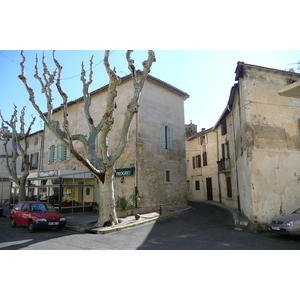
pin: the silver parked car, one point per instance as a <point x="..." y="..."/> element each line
<point x="286" y="225"/>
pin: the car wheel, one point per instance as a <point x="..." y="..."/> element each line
<point x="12" y="222"/>
<point x="30" y="226"/>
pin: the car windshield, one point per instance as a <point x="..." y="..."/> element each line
<point x="42" y="207"/>
<point x="297" y="211"/>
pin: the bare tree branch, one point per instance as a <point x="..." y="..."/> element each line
<point x="133" y="106"/>
<point x="101" y="165"/>
<point x="17" y="147"/>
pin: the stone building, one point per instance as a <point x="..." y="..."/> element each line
<point x="152" y="164"/>
<point x="258" y="144"/>
<point x="202" y="174"/>
<point x="266" y="127"/>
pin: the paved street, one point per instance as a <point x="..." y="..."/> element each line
<point x="204" y="227"/>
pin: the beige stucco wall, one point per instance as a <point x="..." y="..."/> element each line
<point x="268" y="146"/>
<point x="159" y="105"/>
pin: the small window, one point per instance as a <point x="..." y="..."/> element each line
<point x="168" y="176"/>
<point x="197" y="185"/>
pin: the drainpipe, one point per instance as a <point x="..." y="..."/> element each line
<point x="135" y="160"/>
<point x="219" y="183"/>
<point x="236" y="170"/>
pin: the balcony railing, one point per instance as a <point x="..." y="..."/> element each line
<point x="224" y="165"/>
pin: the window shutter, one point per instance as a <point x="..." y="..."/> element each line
<point x="194" y="162"/>
<point x="37" y="160"/>
<point x="170" y="138"/>
<point x="59" y="152"/>
<point x="68" y="154"/>
<point x="204" y="155"/>
<point x="199" y="161"/>
<point x="49" y="155"/>
<point x="55" y="148"/>
<point x="163" y="136"/>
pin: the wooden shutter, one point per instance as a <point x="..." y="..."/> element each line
<point x="163" y="137"/>
<point x="170" y="138"/>
<point x="55" y="152"/>
<point x="49" y="155"/>
<point x="204" y="154"/>
<point x="59" y="152"/>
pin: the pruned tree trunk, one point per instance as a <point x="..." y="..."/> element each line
<point x="107" y="207"/>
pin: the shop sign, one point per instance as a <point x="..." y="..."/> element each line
<point x="124" y="172"/>
<point x="50" y="173"/>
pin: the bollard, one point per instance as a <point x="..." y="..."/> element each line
<point x="160" y="210"/>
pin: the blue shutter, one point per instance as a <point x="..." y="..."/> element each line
<point x="49" y="155"/>
<point x="59" y="152"/>
<point x="163" y="136"/>
<point x="55" y="153"/>
<point x="68" y="154"/>
<point x="170" y="138"/>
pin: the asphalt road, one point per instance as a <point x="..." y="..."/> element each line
<point x="204" y="227"/>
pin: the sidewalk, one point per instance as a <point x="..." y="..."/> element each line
<point x="84" y="222"/>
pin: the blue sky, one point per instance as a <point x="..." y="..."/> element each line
<point x="206" y="75"/>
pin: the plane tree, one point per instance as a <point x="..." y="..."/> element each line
<point x="100" y="162"/>
<point x="19" y="148"/>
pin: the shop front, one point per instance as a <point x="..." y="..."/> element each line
<point x="69" y="191"/>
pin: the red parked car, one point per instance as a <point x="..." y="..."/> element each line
<point x="36" y="215"/>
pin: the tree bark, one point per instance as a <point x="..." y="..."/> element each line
<point x="107" y="205"/>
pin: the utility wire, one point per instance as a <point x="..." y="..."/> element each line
<point x="61" y="78"/>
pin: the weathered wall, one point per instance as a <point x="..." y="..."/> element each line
<point x="268" y="145"/>
<point x="159" y="106"/>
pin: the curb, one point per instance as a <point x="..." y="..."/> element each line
<point x="107" y="230"/>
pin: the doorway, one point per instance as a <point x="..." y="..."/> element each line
<point x="209" y="188"/>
